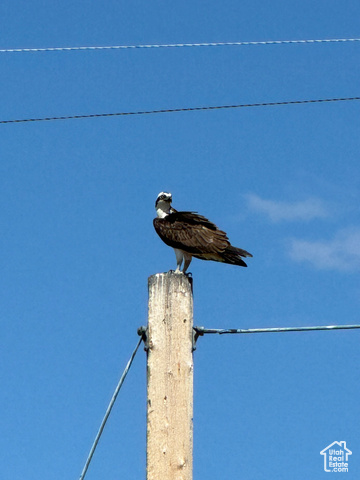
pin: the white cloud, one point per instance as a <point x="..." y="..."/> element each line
<point x="341" y="253"/>
<point x="290" y="211"/>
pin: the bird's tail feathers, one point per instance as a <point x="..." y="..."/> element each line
<point x="237" y="251"/>
<point x="233" y="256"/>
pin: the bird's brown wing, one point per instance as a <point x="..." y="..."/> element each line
<point x="191" y="232"/>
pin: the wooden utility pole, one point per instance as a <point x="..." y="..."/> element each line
<point x="170" y="377"/>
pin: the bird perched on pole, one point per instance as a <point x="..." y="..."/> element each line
<point x="192" y="235"/>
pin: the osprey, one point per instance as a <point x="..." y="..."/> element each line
<point x="192" y="235"/>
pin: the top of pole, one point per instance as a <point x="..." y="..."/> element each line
<point x="176" y="278"/>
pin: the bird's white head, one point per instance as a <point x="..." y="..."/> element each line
<point x="163" y="204"/>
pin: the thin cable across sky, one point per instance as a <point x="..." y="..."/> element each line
<point x="184" y="109"/>
<point x="108" y="411"/>
<point x="179" y="45"/>
<point x="202" y="330"/>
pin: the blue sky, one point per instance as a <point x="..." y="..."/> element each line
<point x="78" y="243"/>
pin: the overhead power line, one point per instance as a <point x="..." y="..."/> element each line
<point x="199" y="331"/>
<point x="185" y="109"/>
<point x="179" y="45"/>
